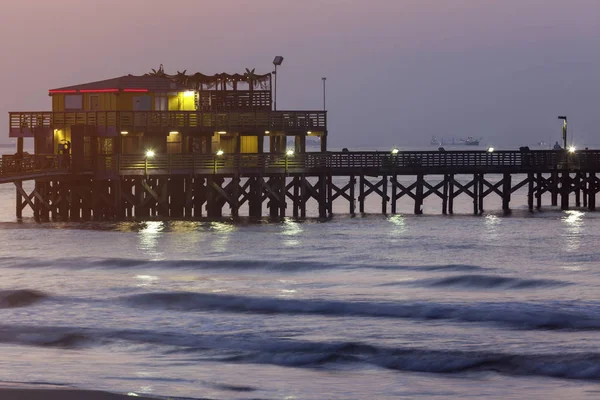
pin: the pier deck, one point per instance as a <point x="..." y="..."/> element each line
<point x="190" y="186"/>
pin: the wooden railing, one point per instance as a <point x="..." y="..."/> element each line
<point x="335" y="163"/>
<point x="231" y="121"/>
<point x="14" y="165"/>
<point x="356" y="162"/>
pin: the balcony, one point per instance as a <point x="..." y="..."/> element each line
<point x="110" y="123"/>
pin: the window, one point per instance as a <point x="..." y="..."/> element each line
<point x="73" y="102"/>
<point x="160" y="103"/>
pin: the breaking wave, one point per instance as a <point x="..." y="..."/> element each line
<point x="256" y="349"/>
<point x="514" y="314"/>
<point x="233" y="265"/>
<point x="483" y="282"/>
<point x="568" y="366"/>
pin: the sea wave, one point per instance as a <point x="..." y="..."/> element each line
<point x="257" y="349"/>
<point x="514" y="314"/>
<point x="79" y="263"/>
<point x="569" y="366"/>
<point x="20" y="297"/>
<point x="482" y="282"/>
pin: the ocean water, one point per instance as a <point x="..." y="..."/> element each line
<point x="366" y="307"/>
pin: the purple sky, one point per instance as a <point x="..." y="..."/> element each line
<point x="398" y="71"/>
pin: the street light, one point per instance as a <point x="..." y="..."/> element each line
<point x="572" y="149"/>
<point x="564" y="130"/>
<point x="395" y="150"/>
<point x="490" y="149"/>
<point x="324" y="79"/>
<point x="276" y="61"/>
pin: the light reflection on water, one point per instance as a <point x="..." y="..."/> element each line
<point x="291" y="232"/>
<point x="149" y="235"/>
<point x="574" y="223"/>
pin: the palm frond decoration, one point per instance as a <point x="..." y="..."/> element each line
<point x="160" y="72"/>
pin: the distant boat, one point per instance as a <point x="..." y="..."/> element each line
<point x="435" y="141"/>
<point x="470" y="141"/>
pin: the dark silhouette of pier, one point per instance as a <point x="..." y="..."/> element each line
<point x="193" y="186"/>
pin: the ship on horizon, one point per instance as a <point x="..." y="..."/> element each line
<point x="469" y="141"/>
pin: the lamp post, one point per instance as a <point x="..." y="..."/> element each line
<point x="564" y="131"/>
<point x="276" y="61"/>
<point x="324" y="79"/>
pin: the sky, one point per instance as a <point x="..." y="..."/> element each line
<point x="398" y="71"/>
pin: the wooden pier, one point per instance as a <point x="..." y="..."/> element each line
<point x="195" y="186"/>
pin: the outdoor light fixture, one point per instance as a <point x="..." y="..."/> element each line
<point x="490" y="149"/>
<point x="572" y="149"/>
<point x="395" y="150"/>
<point x="276" y="61"/>
<point x="220" y="152"/>
<point x="564" y="130"/>
<point x="289" y="153"/>
<point x="122" y="132"/>
<point x="222" y="132"/>
<point x="267" y="132"/>
<point x="309" y="133"/>
<point x="173" y="133"/>
<point x="149" y="154"/>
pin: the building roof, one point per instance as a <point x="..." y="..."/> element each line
<point x="132" y="83"/>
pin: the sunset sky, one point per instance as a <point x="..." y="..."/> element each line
<point x="398" y="71"/>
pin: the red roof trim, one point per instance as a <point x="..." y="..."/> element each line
<point x="136" y="90"/>
<point x="61" y="91"/>
<point x="98" y="90"/>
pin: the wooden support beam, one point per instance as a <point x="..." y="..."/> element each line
<point x="576" y="183"/>
<point x="296" y="197"/>
<point x="419" y="195"/>
<point x="25" y="196"/>
<point x="592" y="190"/>
<point x="555" y="188"/>
<point x="584" y="188"/>
<point x="200" y="195"/>
<point x="282" y="196"/>
<point x="255" y="197"/>
<point x="329" y="195"/>
<point x="433" y="189"/>
<point x="188" y="208"/>
<point x="506" y="191"/>
<point x="565" y="189"/>
<point x="530" y="191"/>
<point x="303" y="196"/>
<point x="361" y="194"/>
<point x="19" y="196"/>
<point x="384" y="196"/>
<point x="540" y="183"/>
<point x="352" y="199"/>
<point x="451" y="193"/>
<point x="445" y="195"/>
<point x="476" y="196"/>
<point x="481" y="194"/>
<point x="393" y="179"/>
